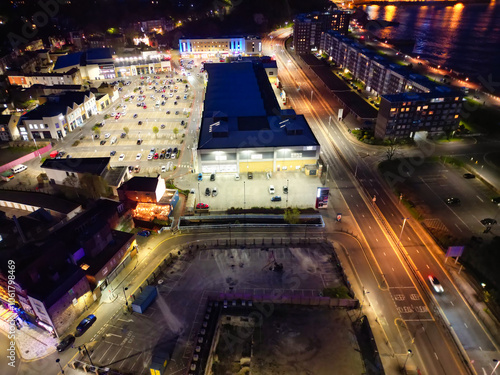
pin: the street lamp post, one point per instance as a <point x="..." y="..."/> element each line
<point x="124" y="289"/>
<point x="402" y="228"/>
<point x="287" y="192"/>
<point x="58" y="361"/>
<point x="244" y="196"/>
<point x="406" y="360"/>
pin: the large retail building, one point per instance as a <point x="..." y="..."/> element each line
<point x="243" y="128"/>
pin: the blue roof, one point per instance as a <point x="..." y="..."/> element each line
<point x="233" y="89"/>
<point x="68" y="60"/>
<point x="99" y="54"/>
<point x="241" y="111"/>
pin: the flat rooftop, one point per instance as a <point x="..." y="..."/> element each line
<point x="241" y="111"/>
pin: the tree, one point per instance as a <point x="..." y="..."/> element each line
<point x="176" y="131"/>
<point x="392" y="147"/>
<point x="126" y="130"/>
<point x="292" y="215"/>
<point x="73" y="182"/>
<point x="95" y="186"/>
<point x="96" y="130"/>
<point x="155" y="131"/>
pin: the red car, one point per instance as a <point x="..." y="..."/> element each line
<point x="202" y="206"/>
<point x="145" y="106"/>
<point x="156" y="156"/>
<point x="117" y="116"/>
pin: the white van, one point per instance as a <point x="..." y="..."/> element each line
<point x="19" y="168"/>
<point x="113" y="140"/>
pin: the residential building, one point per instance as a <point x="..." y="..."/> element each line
<point x="379" y="75"/>
<point x="113" y="41"/>
<point x="402" y="115"/>
<point x="58" y="277"/>
<point x="243" y="129"/>
<point x="220" y="47"/>
<point x="71" y="77"/>
<point x="307" y="28"/>
<point x="8" y="127"/>
<point x="58" y="115"/>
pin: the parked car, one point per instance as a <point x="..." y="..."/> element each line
<point x="102" y="143"/>
<point x="435" y="284"/>
<point x="202" y="206"/>
<point x="250" y="175"/>
<point x="271" y="189"/>
<point x="139" y="123"/>
<point x="144" y="233"/>
<point x="207" y="192"/>
<point x="200" y="177"/>
<point x="112" y="153"/>
<point x="139" y="141"/>
<point x="137" y="169"/>
<point x="135" y="115"/>
<point x="65" y="343"/>
<point x="123" y="135"/>
<point x="214" y="192"/>
<point x="139" y="156"/>
<point x="85" y="324"/>
<point x="163" y="168"/>
<point x="122" y="156"/>
<point x="469" y="176"/>
<point x="212" y="177"/>
<point x="276" y="198"/>
<point x="285" y="189"/>
<point x="237" y="177"/>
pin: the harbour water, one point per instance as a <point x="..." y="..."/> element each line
<point x="463" y="37"/>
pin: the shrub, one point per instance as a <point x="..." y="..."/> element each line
<point x="76" y="143"/>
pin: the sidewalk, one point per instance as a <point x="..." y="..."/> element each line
<point x="32" y="342"/>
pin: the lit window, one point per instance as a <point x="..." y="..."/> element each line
<point x="456" y="116"/>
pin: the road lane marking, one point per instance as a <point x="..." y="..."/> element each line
<point x="376" y="239"/>
<point x="458" y="227"/>
<point x="477" y="196"/>
<point x="417" y="251"/>
<point x="436" y="356"/>
<point x="480" y="348"/>
<point x="465" y="324"/>
<point x="385" y="253"/>
<point x="369" y="227"/>
<point x="393" y="269"/>
<point x="428" y="266"/>
<point x="452" y="303"/>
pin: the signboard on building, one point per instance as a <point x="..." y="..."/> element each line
<point x="322" y="197"/>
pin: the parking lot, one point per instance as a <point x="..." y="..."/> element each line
<point x="248" y="193"/>
<point x="184" y="288"/>
<point x="169" y="114"/>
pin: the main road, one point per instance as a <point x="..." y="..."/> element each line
<point x="417" y="318"/>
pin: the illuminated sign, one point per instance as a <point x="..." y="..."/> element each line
<point x="322" y="194"/>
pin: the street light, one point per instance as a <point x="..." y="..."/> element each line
<point x="58" y="361"/>
<point x="124" y="289"/>
<point x="406" y="360"/>
<point x="402" y="228"/>
<point x="244" y="196"/>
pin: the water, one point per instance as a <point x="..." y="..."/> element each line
<point x="463" y="37"/>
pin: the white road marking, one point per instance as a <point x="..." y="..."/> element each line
<point x="393" y="269"/>
<point x="369" y="227"/>
<point x="376" y="239"/>
<point x="409" y="239"/>
<point x="452" y="303"/>
<point x="418" y="251"/>
<point x="480" y="348"/>
<point x="436" y="356"/>
<point x="477" y="196"/>
<point x="458" y="227"/>
<point x="376" y="192"/>
<point x="465" y="324"/>
<point x="385" y="254"/>
<point x="428" y="266"/>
